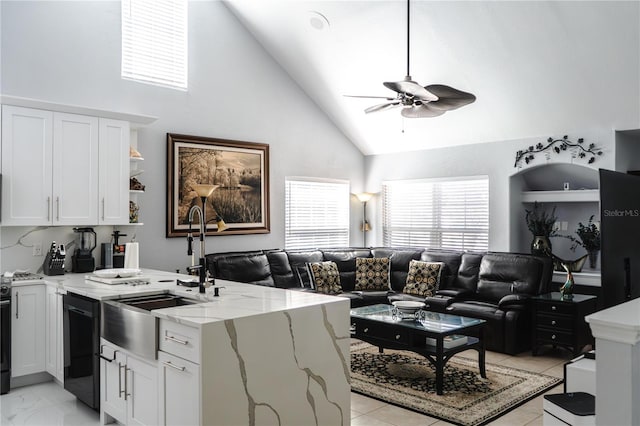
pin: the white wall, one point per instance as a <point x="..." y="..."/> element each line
<point x="69" y="52"/>
<point x="495" y="160"/>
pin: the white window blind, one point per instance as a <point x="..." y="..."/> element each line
<point x="317" y="214"/>
<point x="154" y="42"/>
<point x="448" y="214"/>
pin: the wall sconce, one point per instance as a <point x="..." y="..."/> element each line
<point x="364" y="226"/>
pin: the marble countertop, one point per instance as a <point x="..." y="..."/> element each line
<point x="236" y="300"/>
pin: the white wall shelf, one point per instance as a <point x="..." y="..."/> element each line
<point x="591" y="278"/>
<point x="134" y="119"/>
<point x="575" y="196"/>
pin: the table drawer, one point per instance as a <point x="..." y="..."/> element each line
<point x="555" y="308"/>
<point x="179" y="340"/>
<point x="381" y="331"/>
<point x="554" y="321"/>
<point x="554" y="336"/>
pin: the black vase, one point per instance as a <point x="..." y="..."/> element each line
<point x="541" y="246"/>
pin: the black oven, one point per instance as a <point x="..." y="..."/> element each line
<point x="5" y="334"/>
<point x="81" y="323"/>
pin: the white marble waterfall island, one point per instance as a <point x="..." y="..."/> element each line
<point x="253" y="356"/>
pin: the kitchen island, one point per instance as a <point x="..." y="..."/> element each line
<point x="252" y="356"/>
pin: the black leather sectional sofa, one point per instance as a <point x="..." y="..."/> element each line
<point x="492" y="286"/>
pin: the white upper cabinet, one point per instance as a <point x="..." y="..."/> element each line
<point x="63" y="169"/>
<point x="75" y="169"/>
<point x="114" y="172"/>
<point x="27" y="151"/>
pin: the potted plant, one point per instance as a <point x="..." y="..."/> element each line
<point x="589" y="239"/>
<point x="541" y="224"/>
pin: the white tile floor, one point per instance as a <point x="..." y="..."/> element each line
<point x="49" y="404"/>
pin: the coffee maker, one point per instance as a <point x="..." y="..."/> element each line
<point x="82" y="259"/>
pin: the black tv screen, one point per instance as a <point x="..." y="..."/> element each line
<point x="620" y="236"/>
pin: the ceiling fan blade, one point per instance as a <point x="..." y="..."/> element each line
<point x="382" y="107"/>
<point x="411" y="88"/>
<point x="421" y="111"/>
<point x="369" y="97"/>
<point x="449" y="98"/>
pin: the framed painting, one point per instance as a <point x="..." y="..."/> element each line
<point x="239" y="172"/>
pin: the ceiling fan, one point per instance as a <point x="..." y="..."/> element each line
<point x="418" y="101"/>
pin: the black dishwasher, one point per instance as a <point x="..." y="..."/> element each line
<point x="81" y="322"/>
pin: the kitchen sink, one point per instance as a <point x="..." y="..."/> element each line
<point x="130" y="324"/>
<point x="149" y="303"/>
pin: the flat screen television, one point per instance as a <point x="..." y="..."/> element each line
<point x="620" y="237"/>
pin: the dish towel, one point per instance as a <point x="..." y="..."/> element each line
<point x="131" y="256"/>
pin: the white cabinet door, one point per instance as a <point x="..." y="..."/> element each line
<point x="75" y="169"/>
<point x="179" y="390"/>
<point x="112" y="391"/>
<point x="28" y="330"/>
<point x="54" y="357"/>
<point x="114" y="172"/>
<point x="27" y="149"/>
<point x="142" y="392"/>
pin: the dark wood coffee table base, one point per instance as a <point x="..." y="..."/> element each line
<point x="389" y="336"/>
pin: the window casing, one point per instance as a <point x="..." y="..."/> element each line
<point x="154" y="42"/>
<point x="448" y="213"/>
<point x="316" y="213"/>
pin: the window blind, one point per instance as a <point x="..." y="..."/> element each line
<point x="316" y="214"/>
<point x="448" y="214"/>
<point x="154" y="42"/>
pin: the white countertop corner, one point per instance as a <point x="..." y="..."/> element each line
<point x="619" y="323"/>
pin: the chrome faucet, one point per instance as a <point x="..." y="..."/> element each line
<point x="202" y="266"/>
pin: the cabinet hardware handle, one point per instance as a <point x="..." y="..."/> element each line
<point x="48" y="208"/>
<point x="366" y="330"/>
<point x="102" y="208"/>
<point x="397" y="336"/>
<point x="553" y="337"/>
<point x="173" y="339"/>
<point x="126" y="386"/>
<point x="169" y="364"/>
<point x="57" y="208"/>
<point x="553" y="308"/>
<point x="107" y="359"/>
<point x="553" y="322"/>
<point x="120" y="391"/>
<point x="17" y="304"/>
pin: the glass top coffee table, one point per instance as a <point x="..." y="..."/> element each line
<point x="433" y="335"/>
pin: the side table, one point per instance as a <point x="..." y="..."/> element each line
<point x="560" y="322"/>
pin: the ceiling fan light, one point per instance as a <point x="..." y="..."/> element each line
<point x="422" y="111"/>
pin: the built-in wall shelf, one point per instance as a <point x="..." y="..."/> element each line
<point x="136" y="191"/>
<point x="590" y="278"/>
<point x="134" y="119"/>
<point x="576" y="196"/>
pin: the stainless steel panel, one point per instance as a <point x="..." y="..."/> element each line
<point x="131" y="328"/>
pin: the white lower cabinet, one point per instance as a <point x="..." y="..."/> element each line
<point x="128" y="387"/>
<point x="179" y="390"/>
<point x="54" y="340"/>
<point x="27" y="329"/>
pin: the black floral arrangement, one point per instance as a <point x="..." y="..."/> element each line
<point x="589" y="235"/>
<point x="540" y="222"/>
<point x="558" y="146"/>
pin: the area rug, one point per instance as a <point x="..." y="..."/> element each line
<point x="408" y="380"/>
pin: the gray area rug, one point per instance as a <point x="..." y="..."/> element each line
<point x="408" y="380"/>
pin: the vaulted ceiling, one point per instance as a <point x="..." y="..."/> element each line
<point x="538" y="68"/>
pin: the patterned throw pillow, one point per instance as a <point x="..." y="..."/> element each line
<point x="325" y="276"/>
<point x="372" y="273"/>
<point x="423" y="278"/>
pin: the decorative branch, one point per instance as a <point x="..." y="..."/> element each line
<point x="559" y="145"/>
